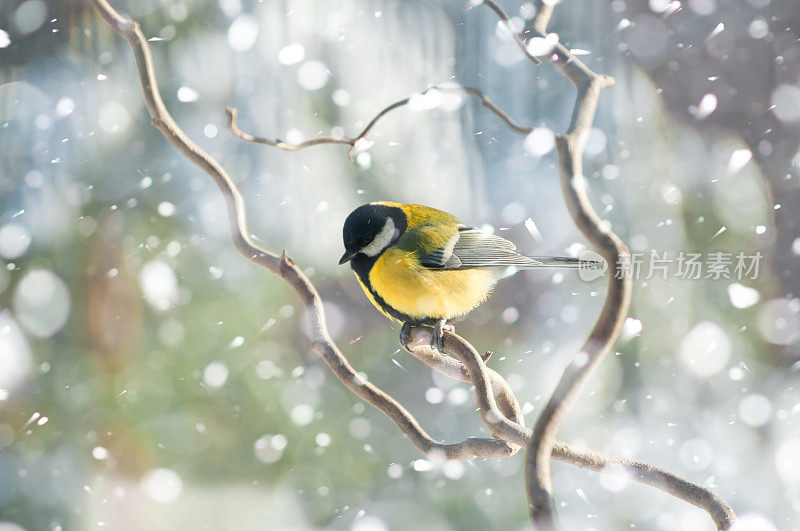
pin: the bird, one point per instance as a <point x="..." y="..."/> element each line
<point x="422" y="266"/>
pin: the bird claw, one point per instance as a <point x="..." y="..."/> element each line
<point x="436" y="336"/>
<point x="404" y="334"/>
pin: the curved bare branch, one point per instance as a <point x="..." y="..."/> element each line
<point x="492" y="393"/>
<point x="233" y="114"/>
<point x="514" y="35"/>
<point x="615" y="308"/>
<point x="233" y="124"/>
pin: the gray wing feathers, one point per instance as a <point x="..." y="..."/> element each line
<point x="470" y="248"/>
<point x="479" y="249"/>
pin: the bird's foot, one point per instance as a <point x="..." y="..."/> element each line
<point x="404" y="334"/>
<point x="436" y="336"/>
<point x="438" y="333"/>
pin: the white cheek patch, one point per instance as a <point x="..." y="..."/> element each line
<point x="381" y="241"/>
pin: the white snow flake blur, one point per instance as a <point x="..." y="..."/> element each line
<point x="786" y="102"/>
<point x="742" y="296"/>
<point x="242" y="33"/>
<point x="707" y="105"/>
<point x="755" y="410"/>
<point x="187" y="94"/>
<point x="738" y="160"/>
<point x="162" y="485"/>
<point x="540" y="141"/>
<point x="114" y="117"/>
<point x="269" y="448"/>
<point x="42" y="303"/>
<point x="16" y="361"/>
<point x="30" y="16"/>
<point x="779" y="321"/>
<point x="291" y="54"/>
<point x="14" y="240"/>
<point x="312" y="75"/>
<point x="153" y="377"/>
<point x="215" y="374"/>
<point x="706" y="349"/>
<point x="159" y="284"/>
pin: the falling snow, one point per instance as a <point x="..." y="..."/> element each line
<point x="144" y="363"/>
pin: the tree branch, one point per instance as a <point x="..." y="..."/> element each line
<point x="609" y="323"/>
<point x="498" y="407"/>
<point x="493" y="394"/>
<point x="514" y="35"/>
<point x="233" y="114"/>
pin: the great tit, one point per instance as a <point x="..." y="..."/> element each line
<point x="420" y="265"/>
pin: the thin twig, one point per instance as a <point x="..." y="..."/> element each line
<point x="232" y="113"/>
<point x="507" y="24"/>
<point x="232" y="117"/>
<point x="489" y="104"/>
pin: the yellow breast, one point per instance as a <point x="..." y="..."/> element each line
<point x="419" y="292"/>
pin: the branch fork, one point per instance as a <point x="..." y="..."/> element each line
<point x="498" y="407"/>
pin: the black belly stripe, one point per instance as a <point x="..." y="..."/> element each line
<point x="362" y="265"/>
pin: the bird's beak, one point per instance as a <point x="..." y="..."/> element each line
<point x="347" y="256"/>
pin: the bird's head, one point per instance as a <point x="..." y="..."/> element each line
<point x="370" y="229"/>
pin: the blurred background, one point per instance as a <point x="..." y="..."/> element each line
<point x="151" y="378"/>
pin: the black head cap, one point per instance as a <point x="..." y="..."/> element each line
<point x="365" y="224"/>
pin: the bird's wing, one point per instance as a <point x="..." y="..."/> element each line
<point x="469" y="248"/>
<point x="432" y="242"/>
<point x="443" y="257"/>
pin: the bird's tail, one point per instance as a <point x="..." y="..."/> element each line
<point x="563" y="262"/>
